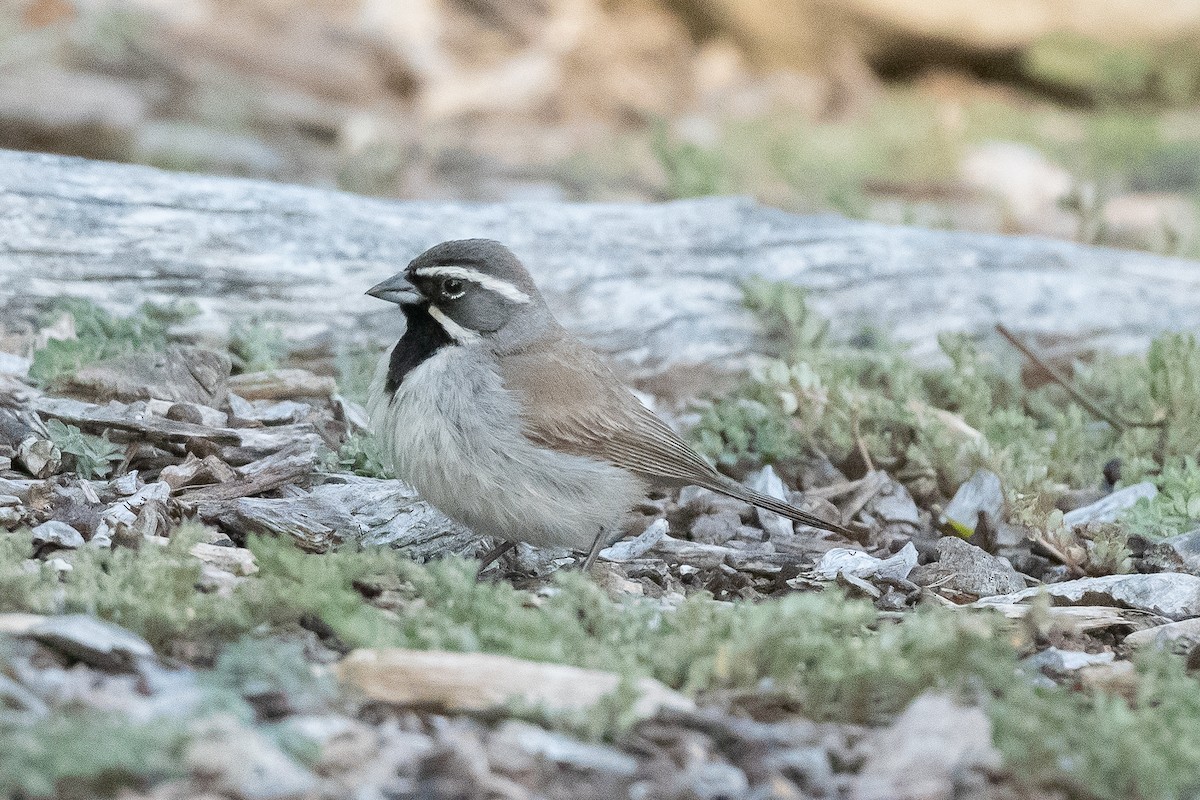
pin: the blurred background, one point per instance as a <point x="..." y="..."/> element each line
<point x="1070" y="118"/>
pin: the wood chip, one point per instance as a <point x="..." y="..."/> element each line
<point x="481" y="682"/>
<point x="282" y="384"/>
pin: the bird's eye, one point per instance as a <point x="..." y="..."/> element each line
<point x="452" y="288"/>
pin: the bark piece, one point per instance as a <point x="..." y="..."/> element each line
<point x="1173" y="595"/>
<point x="181" y="374"/>
<point x="282" y="384"/>
<point x="482" y="682"/>
<point x="242" y="445"/>
<point x="93" y="641"/>
<point x="656" y="286"/>
<point x="346" y="508"/>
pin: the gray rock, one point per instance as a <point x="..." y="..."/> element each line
<point x="561" y="749"/>
<point x="240" y="762"/>
<point x="93" y="641"/>
<point x="1057" y="661"/>
<point x="1109" y="508"/>
<point x="715" y="780"/>
<point x="965" y="569"/>
<point x="1185" y="631"/>
<point x="769" y="483"/>
<point x="1177" y="554"/>
<point x="893" y="505"/>
<point x="927" y="752"/>
<point x="982" y="494"/>
<point x="1173" y="595"/>
<point x="716" y="528"/>
<point x="57" y="534"/>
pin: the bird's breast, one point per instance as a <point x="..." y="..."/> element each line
<point x="454" y="433"/>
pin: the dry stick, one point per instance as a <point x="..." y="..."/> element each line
<point x="1091" y="405"/>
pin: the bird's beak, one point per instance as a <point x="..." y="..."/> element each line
<point x="396" y="289"/>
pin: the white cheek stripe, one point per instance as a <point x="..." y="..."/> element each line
<point x="492" y="284"/>
<point x="457" y="332"/>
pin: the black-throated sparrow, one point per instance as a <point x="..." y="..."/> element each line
<point x="509" y="424"/>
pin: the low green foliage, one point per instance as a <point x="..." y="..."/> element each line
<point x="691" y="170"/>
<point x="94" y="455"/>
<point x="1102" y="745"/>
<point x="257" y="347"/>
<point x="101" y="335"/>
<point x="117" y="585"/>
<point x="1109" y="74"/>
<point x="824" y="655"/>
<point x="867" y="394"/>
<point x="1176" y="507"/>
<point x="355" y="368"/>
<point x="362" y="455"/>
<point x="85" y="754"/>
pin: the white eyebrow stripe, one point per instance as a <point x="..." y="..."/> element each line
<point x="492" y="284"/>
<point x="457" y="332"/>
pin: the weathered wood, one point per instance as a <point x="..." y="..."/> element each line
<point x="346" y="508"/>
<point x="654" y="285"/>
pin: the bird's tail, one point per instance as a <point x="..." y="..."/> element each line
<point x="748" y="495"/>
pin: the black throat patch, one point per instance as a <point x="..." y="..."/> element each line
<point x="423" y="337"/>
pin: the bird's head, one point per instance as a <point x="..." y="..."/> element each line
<point x="472" y="287"/>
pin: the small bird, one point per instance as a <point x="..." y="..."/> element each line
<point x="508" y="424"/>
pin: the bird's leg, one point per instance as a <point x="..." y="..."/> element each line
<point x="494" y="554"/>
<point x="597" y="546"/>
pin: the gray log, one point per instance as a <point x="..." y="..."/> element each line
<point x="654" y="285"/>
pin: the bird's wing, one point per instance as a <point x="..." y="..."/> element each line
<point x="571" y="402"/>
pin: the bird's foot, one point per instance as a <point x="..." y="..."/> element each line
<point x="490" y="557"/>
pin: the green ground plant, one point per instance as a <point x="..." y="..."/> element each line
<point x="94" y="455"/>
<point x="257" y="346"/>
<point x="866" y="394"/>
<point x="823" y="655"/>
<point x="101" y="335"/>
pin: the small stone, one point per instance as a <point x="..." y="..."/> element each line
<point x="9" y="500"/>
<point x="344" y="743"/>
<point x="240" y="762"/>
<point x="236" y="560"/>
<point x="57" y="534"/>
<point x="93" y="641"/>
<point x="559" y="748"/>
<point x="1054" y="661"/>
<point x="716" y="528"/>
<point x="39" y="457"/>
<point x="716" y="780"/>
<point x="767" y="482"/>
<point x="1109" y="508"/>
<point x="1185" y="631"/>
<point x="963" y="569"/>
<point x="894" y="505"/>
<point x="982" y="494"/>
<point x="1176" y="554"/>
<point x="126" y="484"/>
<point x="927" y="752"/>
